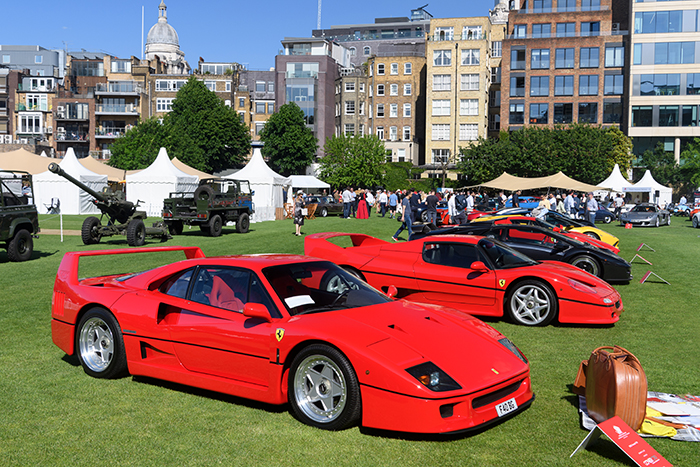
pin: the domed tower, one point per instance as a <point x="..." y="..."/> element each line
<point x="164" y="43"/>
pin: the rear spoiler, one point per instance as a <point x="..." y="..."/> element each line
<point x="355" y="238"/>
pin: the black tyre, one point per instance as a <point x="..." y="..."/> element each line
<point x="100" y="345"/>
<point x="531" y="303"/>
<point x="90" y="232"/>
<point x="424" y="216"/>
<point x="696" y="222"/>
<point x="204" y="192"/>
<point x="243" y="223"/>
<point x="215" y="225"/>
<point x="607" y="219"/>
<point x="135" y="232"/>
<point x="657" y="222"/>
<point x="588" y="264"/>
<point x="324" y="212"/>
<point x="21" y="246"/>
<point x="175" y="227"/>
<point x="593" y="235"/>
<point x="323" y="389"/>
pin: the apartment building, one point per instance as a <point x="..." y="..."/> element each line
<point x="664" y="95"/>
<point x="564" y="62"/>
<point x="255" y="99"/>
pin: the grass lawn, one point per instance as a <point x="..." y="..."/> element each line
<point x="52" y="413"/>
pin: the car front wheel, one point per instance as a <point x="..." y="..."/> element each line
<point x="531" y="303"/>
<point x="587" y="263"/>
<point x="324" y="212"/>
<point x="323" y="388"/>
<point x="696" y="222"/>
<point x="607" y="219"/>
<point x="100" y="345"/>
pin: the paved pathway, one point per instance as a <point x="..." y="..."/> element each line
<point x="58" y="232"/>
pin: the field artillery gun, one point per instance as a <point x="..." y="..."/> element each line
<point x="122" y="216"/>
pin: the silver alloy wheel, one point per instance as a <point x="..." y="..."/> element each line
<point x="696" y="222"/>
<point x="96" y="343"/>
<point x="320" y="390"/>
<point x="656" y="224"/>
<point x="586" y="263"/>
<point x="530" y="304"/>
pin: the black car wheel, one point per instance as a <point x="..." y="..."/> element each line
<point x="696" y="222"/>
<point x="593" y="235"/>
<point x="100" y="345"/>
<point x="21" y="246"/>
<point x="243" y="223"/>
<point x="531" y="303"/>
<point x="587" y="263"/>
<point x="135" y="232"/>
<point x="90" y="232"/>
<point x="607" y="219"/>
<point x="324" y="212"/>
<point x="215" y="225"/>
<point x="323" y="389"/>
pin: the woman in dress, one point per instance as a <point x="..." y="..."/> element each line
<point x="362" y="210"/>
<point x="298" y="214"/>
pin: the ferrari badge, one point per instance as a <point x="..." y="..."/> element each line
<point x="502" y="282"/>
<point x="279" y="334"/>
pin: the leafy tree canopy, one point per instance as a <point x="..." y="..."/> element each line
<point x="200" y="131"/>
<point x="289" y="145"/>
<point x="353" y="161"/>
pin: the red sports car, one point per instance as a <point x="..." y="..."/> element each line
<point x="283" y="328"/>
<point x="475" y="274"/>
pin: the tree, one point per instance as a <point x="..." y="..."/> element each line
<point x="200" y="131"/>
<point x="289" y="144"/>
<point x="353" y="161"/>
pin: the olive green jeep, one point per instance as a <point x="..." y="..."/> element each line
<point x="19" y="219"/>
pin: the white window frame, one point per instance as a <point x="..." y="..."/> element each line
<point x="349" y="129"/>
<point x="469" y="82"/>
<point x="440" y="132"/>
<point x="393" y="110"/>
<point x="380" y="110"/>
<point x="442" y="57"/>
<point x="408" y="68"/>
<point x="164" y="104"/>
<point x="441" y="107"/>
<point x="470" y="57"/>
<point x="349" y="86"/>
<point x="380" y="89"/>
<point x="406" y="133"/>
<point x="469" y="107"/>
<point x="468" y="131"/>
<point x="349" y="107"/>
<point x="407" y="110"/>
<point x="442" y="82"/>
<point x="380" y="69"/>
<point x="394" y="89"/>
<point x="380" y="132"/>
<point x="393" y="133"/>
<point x="407" y="89"/>
<point x="394" y="69"/>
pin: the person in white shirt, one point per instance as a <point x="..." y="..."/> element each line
<point x="383" y="199"/>
<point x="369" y="197"/>
<point x="470" y="202"/>
<point x="456" y="216"/>
<point x="347" y="201"/>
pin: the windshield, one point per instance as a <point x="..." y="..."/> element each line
<point x="319" y="287"/>
<point x="502" y="256"/>
<point x="643" y="208"/>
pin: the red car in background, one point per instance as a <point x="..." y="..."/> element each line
<point x="475" y="274"/>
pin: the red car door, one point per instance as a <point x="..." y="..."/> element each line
<point x="444" y="276"/>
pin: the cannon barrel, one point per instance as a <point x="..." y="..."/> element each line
<point x="55" y="168"/>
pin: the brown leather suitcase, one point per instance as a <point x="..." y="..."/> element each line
<point x="615" y="384"/>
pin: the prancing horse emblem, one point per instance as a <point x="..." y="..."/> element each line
<point x="279" y="334"/>
<point x="502" y="282"/>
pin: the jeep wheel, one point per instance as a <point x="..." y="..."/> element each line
<point x="174" y="227"/>
<point x="204" y="193"/>
<point x="215" y="225"/>
<point x="243" y="223"/>
<point x="20" y="248"/>
<point x="90" y="232"/>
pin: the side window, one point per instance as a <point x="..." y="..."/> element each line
<point x="177" y="286"/>
<point x="459" y="255"/>
<point x="225" y="288"/>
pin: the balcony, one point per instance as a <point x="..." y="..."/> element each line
<point x="21" y="107"/>
<point x="71" y="113"/>
<point x="117" y="109"/>
<point x="436" y="37"/>
<point x="118" y="88"/>
<point x="110" y="132"/>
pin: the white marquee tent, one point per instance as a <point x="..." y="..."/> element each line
<point x="155" y="183"/>
<point x="74" y="200"/>
<point x="656" y="192"/>
<point x="307" y="181"/>
<point x="615" y="182"/>
<point x="267" y="185"/>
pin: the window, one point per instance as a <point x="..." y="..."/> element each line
<point x="641" y="115"/>
<point x="441" y="82"/>
<point x="668" y="115"/>
<point x="407" y="110"/>
<point x="497" y="48"/>
<point x="349" y="107"/>
<point x="566" y="5"/>
<point x="672" y="53"/>
<point x="270" y="107"/>
<point x="441" y="107"/>
<point x="407" y="133"/>
<point x="441" y="132"/>
<point x="541" y="30"/>
<point x="517" y="114"/>
<point x="615" y="56"/>
<point x="349" y="86"/>
<point x="563" y="113"/>
<point x="380" y="110"/>
<point x="539" y="86"/>
<point x="494" y="98"/>
<point x="366" y="51"/>
<point x="37" y="102"/>
<point x="362" y="129"/>
<point x="590" y="57"/>
<point x="588" y="112"/>
<point x="494" y="122"/>
<point x="566" y="29"/>
<point x="353" y="51"/>
<point x="470" y="56"/>
<point x="5" y="58"/>
<point x="469" y="107"/>
<point x="664" y="21"/>
<point x="394" y="69"/>
<point x="401" y="155"/>
<point x="393" y="89"/>
<point x="164" y="105"/>
<point x="563" y="85"/>
<point x="380" y="132"/>
<point x="259" y="107"/>
<point x="539" y="114"/>
<point x="612" y="112"/>
<point x="471" y="33"/>
<point x="520" y="31"/>
<point x="260" y="86"/>
<point x="590" y="28"/>
<point x="517" y="86"/>
<point x="590" y="5"/>
<point x="564" y="58"/>
<point x="407" y="68"/>
<point x="380" y="68"/>
<point x="444" y="34"/>
<point x="470" y="82"/>
<point x="29" y="123"/>
<point x="362" y="87"/>
<point x="380" y="89"/>
<point x="613" y="85"/>
<point x="393" y="134"/>
<point x="468" y="132"/>
<point x="517" y="59"/>
<point x="496" y="75"/>
<point x="692" y="86"/>
<point x="689" y="115"/>
<point x="393" y="110"/>
<point x="442" y="57"/>
<point x="539" y="59"/>
<point x="349" y="129"/>
<point x="38" y="59"/>
<point x="407" y="89"/>
<point x="588" y="85"/>
<point x="441" y="156"/>
<point x="362" y="107"/>
<point x="228" y="86"/>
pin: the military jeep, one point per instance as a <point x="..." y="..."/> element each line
<point x="19" y="219"/>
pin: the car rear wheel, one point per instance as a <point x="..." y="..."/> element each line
<point x="323" y="388"/>
<point x="587" y="263"/>
<point x="100" y="345"/>
<point x="607" y="219"/>
<point x="696" y="222"/>
<point x="531" y="303"/>
<point x="324" y="212"/>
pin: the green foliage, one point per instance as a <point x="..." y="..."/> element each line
<point x="289" y="144"/>
<point x="661" y="164"/>
<point x="586" y="153"/>
<point x="397" y="175"/>
<point x="200" y="131"/>
<point x="353" y="161"/>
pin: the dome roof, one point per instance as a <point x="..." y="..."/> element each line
<point x="162" y="32"/>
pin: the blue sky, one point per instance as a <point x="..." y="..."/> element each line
<point x="247" y="32"/>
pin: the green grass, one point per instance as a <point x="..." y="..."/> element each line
<point x="51" y="413"/>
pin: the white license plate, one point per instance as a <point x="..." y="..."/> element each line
<point x="506" y="407"/>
